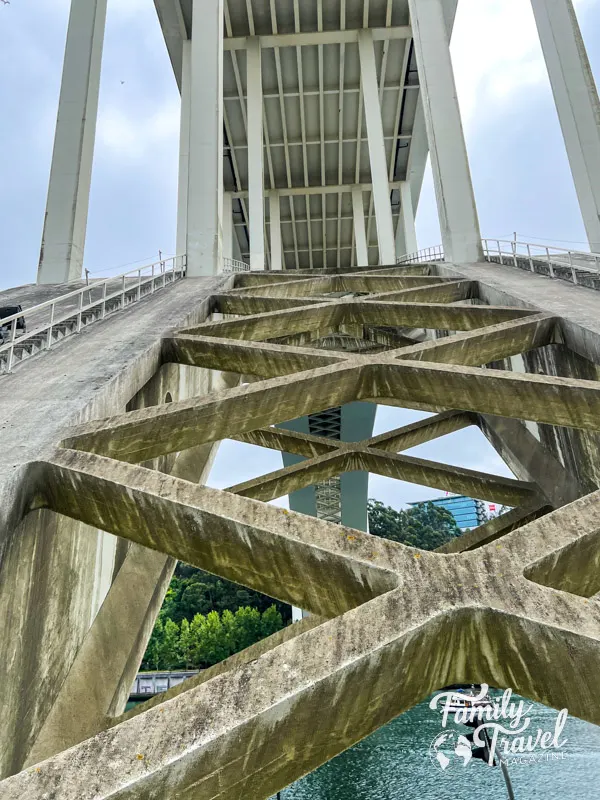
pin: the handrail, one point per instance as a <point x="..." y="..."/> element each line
<point x="428" y="254"/>
<point x="233" y="265"/>
<point x="510" y="251"/>
<point x="129" y="285"/>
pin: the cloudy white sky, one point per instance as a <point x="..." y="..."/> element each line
<point x="519" y="166"/>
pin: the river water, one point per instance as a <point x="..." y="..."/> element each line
<point x="395" y="763"/>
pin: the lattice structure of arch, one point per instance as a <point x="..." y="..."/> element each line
<point x="508" y="603"/>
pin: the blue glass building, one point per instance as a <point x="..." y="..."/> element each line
<point x="467" y="512"/>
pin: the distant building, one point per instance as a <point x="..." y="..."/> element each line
<point x="468" y="513"/>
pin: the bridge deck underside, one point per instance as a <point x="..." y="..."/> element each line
<point x="510" y="603"/>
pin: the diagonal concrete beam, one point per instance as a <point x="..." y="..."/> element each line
<point x="291" y="479"/>
<point x="497" y="342"/>
<point x="325" y="317"/>
<point x="250" y="305"/>
<point x="530" y="460"/>
<point x="260" y="546"/>
<point x="377" y="284"/>
<point x="289" y="288"/>
<point x="101" y="676"/>
<point x="300" y="444"/>
<point x="252" y="731"/>
<point x="450" y="292"/>
<point x="557" y="401"/>
<point x="320" y="318"/>
<point x="434" y="316"/>
<point x="426" y="430"/>
<point x="414" y="470"/>
<point x="246" y="280"/>
<point x="497" y="527"/>
<point x="141" y="435"/>
<point x="446" y="477"/>
<point x="243" y="358"/>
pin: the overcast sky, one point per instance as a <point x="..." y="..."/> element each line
<point x="520" y="171"/>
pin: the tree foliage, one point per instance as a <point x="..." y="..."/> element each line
<point x="193" y="591"/>
<point x="208" y="640"/>
<point x="425" y="526"/>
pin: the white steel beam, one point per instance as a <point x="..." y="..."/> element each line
<point x="300" y="191"/>
<point x="184" y="147"/>
<point x="275" y="226"/>
<point x="406" y="222"/>
<point x="205" y="198"/>
<point x="379" y="170"/>
<point x="452" y="177"/>
<point x="256" y="180"/>
<point x="65" y="222"/>
<point x="227" y="225"/>
<point x="172" y="23"/>
<point x="360" y="235"/>
<point x="576" y="98"/>
<point x="318" y="38"/>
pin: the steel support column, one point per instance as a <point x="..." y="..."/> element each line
<point x="407" y="234"/>
<point x="452" y="177"/>
<point x="275" y="226"/>
<point x="205" y="198"/>
<point x="360" y="236"/>
<point x="184" y="148"/>
<point x="576" y="98"/>
<point x="379" y="167"/>
<point x="255" y="155"/>
<point x="65" y="223"/>
<point x="227" y="225"/>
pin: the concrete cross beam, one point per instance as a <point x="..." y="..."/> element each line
<point x="353" y="458"/>
<point x="268" y="361"/>
<point x="325" y="317"/>
<point x="389" y="653"/>
<point x="327" y="284"/>
<point x="450" y="292"/>
<point x="395" y="623"/>
<point x="485" y="345"/>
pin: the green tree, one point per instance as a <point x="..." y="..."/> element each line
<point x="271" y="622"/>
<point x="169" y="656"/>
<point x="425" y="526"/>
<point x="248" y="629"/>
<point x="193" y="591"/>
<point x="212" y="643"/>
<point x="152" y="655"/>
<point x="186" y="644"/>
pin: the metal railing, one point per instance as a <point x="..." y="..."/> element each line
<point x="556" y="262"/>
<point x="232" y="265"/>
<point x="62" y="316"/>
<point x="429" y="254"/>
<point x="555" y="259"/>
<point x="148" y="684"/>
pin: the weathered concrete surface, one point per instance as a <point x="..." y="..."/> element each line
<point x="406" y="618"/>
<point x="141" y="435"/>
<point x="253" y="728"/>
<point x="354" y="458"/>
<point x="324" y="318"/>
<point x="54" y="573"/>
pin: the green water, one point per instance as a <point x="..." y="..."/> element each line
<point x="394" y="764"/>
